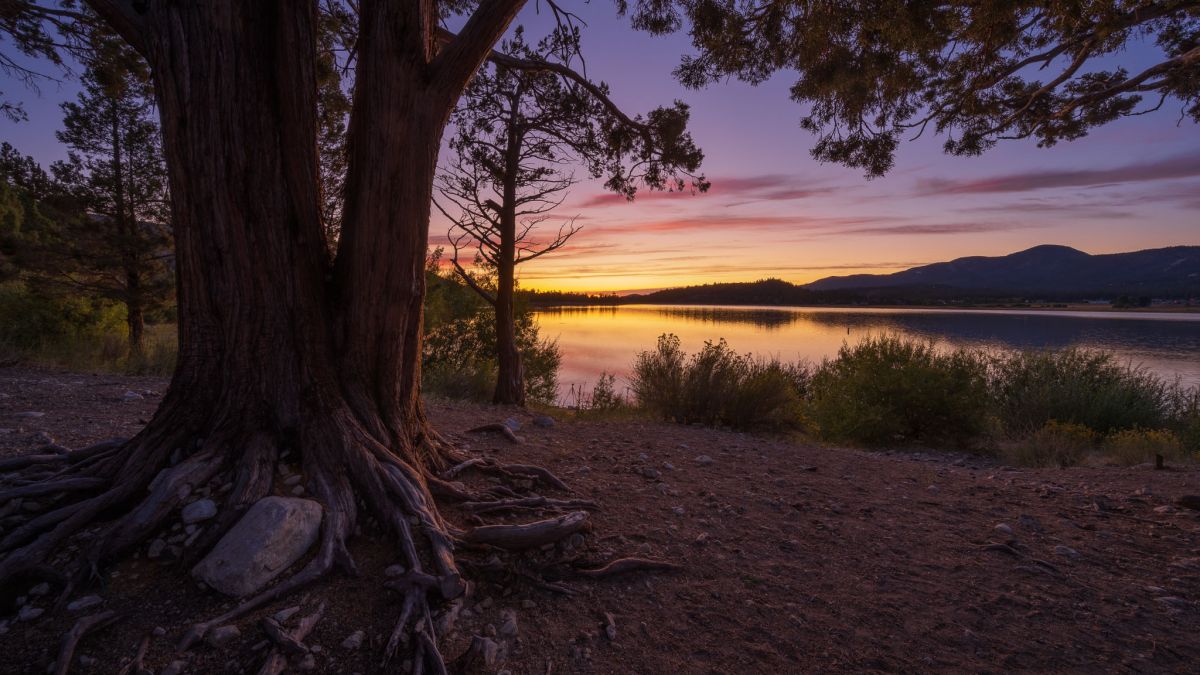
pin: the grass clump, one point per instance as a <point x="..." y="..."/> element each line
<point x="1055" y="444"/>
<point x="888" y="389"/>
<point x="717" y="386"/>
<point x="1139" y="446"/>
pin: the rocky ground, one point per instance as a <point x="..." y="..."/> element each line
<point x="795" y="558"/>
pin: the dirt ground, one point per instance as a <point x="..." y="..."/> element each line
<point x="796" y="558"/>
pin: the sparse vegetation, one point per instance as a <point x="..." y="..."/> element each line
<point x="1059" y="444"/>
<point x="1137" y="446"/>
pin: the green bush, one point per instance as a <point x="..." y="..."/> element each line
<point x="31" y="321"/>
<point x="1138" y="446"/>
<point x="717" y="386"/>
<point x="459" y="359"/>
<point x="1076" y="386"/>
<point x="888" y="389"/>
<point x="1058" y="444"/>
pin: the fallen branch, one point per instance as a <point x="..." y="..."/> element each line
<point x="276" y="661"/>
<point x="529" y="535"/>
<point x="528" y="503"/>
<point x="66" y="653"/>
<point x="627" y="565"/>
<point x="502" y="429"/>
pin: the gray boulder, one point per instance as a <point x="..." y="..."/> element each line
<point x="199" y="510"/>
<point x="273" y="535"/>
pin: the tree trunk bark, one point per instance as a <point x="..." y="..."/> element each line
<point x="135" y="315"/>
<point x="510" y="379"/>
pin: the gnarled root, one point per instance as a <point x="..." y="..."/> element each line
<point x="66" y="654"/>
<point x="289" y="642"/>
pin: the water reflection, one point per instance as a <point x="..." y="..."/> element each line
<point x="598" y="339"/>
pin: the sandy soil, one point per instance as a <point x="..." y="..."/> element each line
<point x="796" y="558"/>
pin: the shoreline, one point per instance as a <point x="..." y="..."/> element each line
<point x="1065" y="307"/>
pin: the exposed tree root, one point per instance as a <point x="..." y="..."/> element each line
<point x="500" y="428"/>
<point x="66" y="653"/>
<point x="135" y="664"/>
<point x="529" y="535"/>
<point x="533" y="503"/>
<point x="277" y="660"/>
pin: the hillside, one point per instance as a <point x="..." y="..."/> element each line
<point x="1058" y="270"/>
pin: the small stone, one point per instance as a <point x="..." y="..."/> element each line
<point x="354" y="641"/>
<point x="174" y="668"/>
<point x="1186" y="564"/>
<point x="668" y="466"/>
<point x="1066" y="551"/>
<point x="701" y="539"/>
<point x="1173" y="602"/>
<point x="32" y="414"/>
<point x="86" y="602"/>
<point x="158" y="631"/>
<point x="1029" y="523"/>
<point x="575" y="541"/>
<point x="513" y="424"/>
<point x="284" y="614"/>
<point x="610" y="627"/>
<point x="528" y="604"/>
<point x="199" y="510"/>
<point x="190" y="530"/>
<point x="1003" y="529"/>
<point x="222" y="635"/>
<point x="309" y="662"/>
<point x="704" y="460"/>
<point x="86" y="661"/>
<point x="41" y="589"/>
<point x="678" y="510"/>
<point x="1164" y="509"/>
<point x="316" y="649"/>
<point x="508" y="628"/>
<point x="293" y="480"/>
<point x="650" y="473"/>
<point x="3" y="627"/>
<point x="486" y="648"/>
<point x="29" y="613"/>
<point x="394" y="571"/>
<point x="544" y="421"/>
<point x="131" y="396"/>
<point x="298" y="490"/>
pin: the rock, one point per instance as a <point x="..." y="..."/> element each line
<point x="486" y="649"/>
<point x="284" y="614"/>
<point x="508" y="628"/>
<point x="32" y="414"/>
<point x="274" y="534"/>
<point x="158" y="631"/>
<point x="1165" y="509"/>
<point x="3" y="627"/>
<point x="575" y="541"/>
<point x="309" y="662"/>
<point x="1066" y="551"/>
<point x="1186" y="564"/>
<point x="1003" y="529"/>
<point x="199" y="510"/>
<point x="650" y="473"/>
<point x="354" y="641"/>
<point x="86" y="661"/>
<point x="174" y="668"/>
<point x="298" y="491"/>
<point x="513" y="424"/>
<point x="704" y="460"/>
<point x="41" y="589"/>
<point x="131" y="396"/>
<point x="222" y="635"/>
<point x="701" y="539"/>
<point x="668" y="466"/>
<point x="678" y="510"/>
<point x="293" y="480"/>
<point x="394" y="571"/>
<point x="610" y="627"/>
<point x="86" y="602"/>
<point x="29" y="613"/>
<point x="544" y="421"/>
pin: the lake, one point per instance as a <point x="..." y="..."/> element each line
<point x="606" y="339"/>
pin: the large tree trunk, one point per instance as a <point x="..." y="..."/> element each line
<point x="510" y="378"/>
<point x="135" y="313"/>
<point x="281" y="351"/>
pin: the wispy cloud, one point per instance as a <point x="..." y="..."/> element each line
<point x="743" y="189"/>
<point x="1179" y="166"/>
<point x="934" y="228"/>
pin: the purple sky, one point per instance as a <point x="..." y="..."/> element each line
<point x="773" y="211"/>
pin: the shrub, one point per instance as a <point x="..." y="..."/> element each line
<point x="1076" y="386"/>
<point x="1137" y="446"/>
<point x="717" y="386"/>
<point x="1186" y="419"/>
<point x="459" y="359"/>
<point x="1058" y="444"/>
<point x="889" y="389"/>
<point x="604" y="394"/>
<point x="31" y="321"/>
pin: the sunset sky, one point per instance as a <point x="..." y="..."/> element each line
<point x="774" y="212"/>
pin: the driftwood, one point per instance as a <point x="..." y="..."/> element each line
<point x="276" y="661"/>
<point x="82" y="627"/>
<point x="502" y="429"/>
<point x="627" y="565"/>
<point x="529" y="535"/>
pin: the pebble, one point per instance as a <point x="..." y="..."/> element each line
<point x="1173" y="602"/>
<point x="222" y="635"/>
<point x="1066" y="551"/>
<point x="576" y="541"/>
<point x="130" y="396"/>
<point x="610" y="626"/>
<point x="31" y="414"/>
<point x="508" y="628"/>
<point x="41" y="589"/>
<point x="1164" y="509"/>
<point x="298" y="490"/>
<point x="29" y="613"/>
<point x="650" y="473"/>
<point x="86" y="661"/>
<point x="293" y="480"/>
<point x="159" y="631"/>
<point x="174" y="668"/>
<point x="678" y="510"/>
<point x="544" y="421"/>
<point x="1029" y="523"/>
<point x="704" y="460"/>
<point x="3" y="627"/>
<point x="1003" y="529"/>
<point x="354" y="641"/>
<point x="86" y="602"/>
<point x="668" y="466"/>
<point x="284" y="614"/>
<point x="309" y="662"/>
<point x="394" y="570"/>
<point x="701" y="539"/>
<point x="199" y="510"/>
<point x="513" y="424"/>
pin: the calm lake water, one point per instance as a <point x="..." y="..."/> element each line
<point x="606" y="339"/>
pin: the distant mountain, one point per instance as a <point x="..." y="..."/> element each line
<point x="1045" y="270"/>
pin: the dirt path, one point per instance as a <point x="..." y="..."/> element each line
<point x="797" y="558"/>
